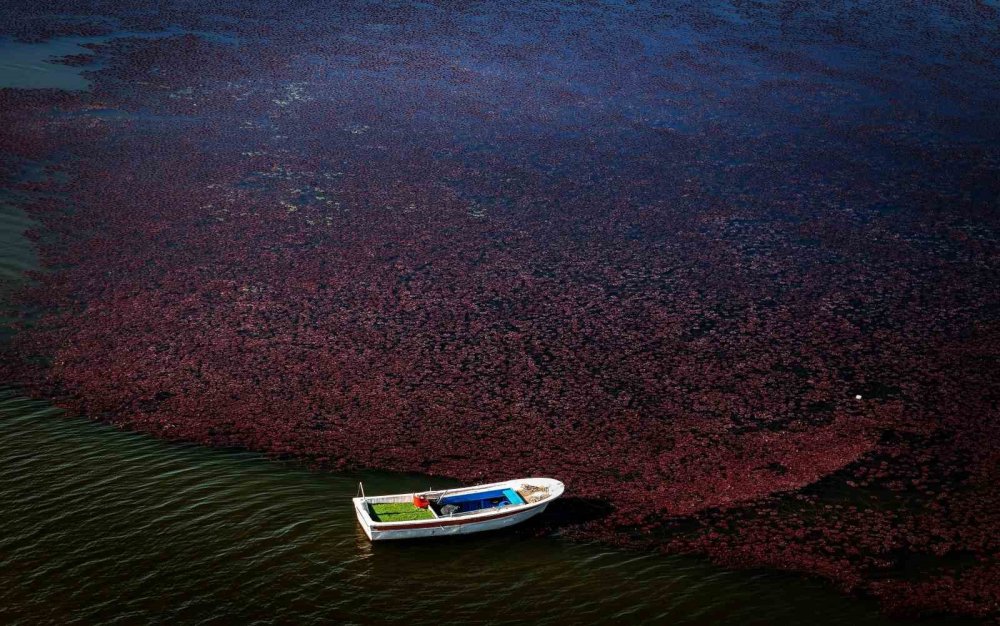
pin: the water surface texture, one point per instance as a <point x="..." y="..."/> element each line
<point x="726" y="268"/>
<point x="103" y="526"/>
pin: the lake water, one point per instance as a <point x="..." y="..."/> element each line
<point x="103" y="526"/>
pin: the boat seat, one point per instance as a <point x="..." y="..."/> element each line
<point x="513" y="497"/>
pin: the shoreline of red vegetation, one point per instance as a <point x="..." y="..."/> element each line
<point x="655" y="256"/>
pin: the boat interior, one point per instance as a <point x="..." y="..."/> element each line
<point x="473" y="502"/>
<point x="445" y="504"/>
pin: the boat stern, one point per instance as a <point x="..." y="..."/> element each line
<point x="361" y="510"/>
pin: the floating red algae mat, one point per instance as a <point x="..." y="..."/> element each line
<point x="719" y="269"/>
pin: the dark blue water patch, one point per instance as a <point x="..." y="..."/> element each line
<point x="18" y="255"/>
<point x="36" y="65"/>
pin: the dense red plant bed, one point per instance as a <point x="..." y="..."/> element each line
<point x="732" y="271"/>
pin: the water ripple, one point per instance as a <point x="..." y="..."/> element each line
<point x="104" y="526"/>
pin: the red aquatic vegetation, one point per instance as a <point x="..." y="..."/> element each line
<point x="740" y="290"/>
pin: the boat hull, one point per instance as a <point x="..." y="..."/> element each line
<point x="450" y="526"/>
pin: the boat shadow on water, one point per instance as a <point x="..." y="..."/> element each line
<point x="561" y="513"/>
<point x="566" y="512"/>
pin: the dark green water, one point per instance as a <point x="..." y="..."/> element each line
<point x="103" y="526"/>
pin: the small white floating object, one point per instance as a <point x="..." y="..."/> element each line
<point x="455" y="511"/>
<point x="857" y="397"/>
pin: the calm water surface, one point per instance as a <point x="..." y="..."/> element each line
<point x="103" y="526"/>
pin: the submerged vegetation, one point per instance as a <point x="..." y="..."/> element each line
<point x="729" y="268"/>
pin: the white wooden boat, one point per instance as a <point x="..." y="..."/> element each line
<point x="455" y="511"/>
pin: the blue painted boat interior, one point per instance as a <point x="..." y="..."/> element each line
<point x="482" y="500"/>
